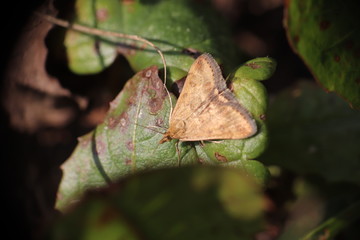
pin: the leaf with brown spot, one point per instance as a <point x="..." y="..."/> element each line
<point x="189" y="31"/>
<point x="325" y="34"/>
<point x="127" y="141"/>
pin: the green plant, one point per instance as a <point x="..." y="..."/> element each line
<point x="312" y="134"/>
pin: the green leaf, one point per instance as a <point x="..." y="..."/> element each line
<point x="128" y="140"/>
<point x="182" y="203"/>
<point x="326" y="35"/>
<point x="313" y="132"/>
<point x="257" y="69"/>
<point x="252" y="95"/>
<point x="175" y="26"/>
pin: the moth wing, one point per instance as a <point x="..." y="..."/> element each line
<point x="223" y="118"/>
<point x="203" y="80"/>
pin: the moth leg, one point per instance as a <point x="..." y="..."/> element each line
<point x="178" y="153"/>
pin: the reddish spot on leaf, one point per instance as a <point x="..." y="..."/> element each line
<point x="130" y="145"/>
<point x="155" y="89"/>
<point x="159" y="122"/>
<point x="337" y="58"/>
<point x="131" y="100"/>
<point x="155" y="104"/>
<point x="112" y="122"/>
<point x="324" y="25"/>
<point x="201" y="160"/>
<point x="253" y="65"/>
<point x="122" y="121"/>
<point x="148" y="73"/>
<point x="128" y="161"/>
<point x="102" y="14"/>
<point x="220" y="157"/>
<point x="262" y="117"/>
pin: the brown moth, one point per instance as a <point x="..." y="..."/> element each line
<point x="207" y="109"/>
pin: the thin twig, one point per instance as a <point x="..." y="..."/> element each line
<point x="102" y="33"/>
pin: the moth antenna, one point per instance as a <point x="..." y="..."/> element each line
<point x="170" y="102"/>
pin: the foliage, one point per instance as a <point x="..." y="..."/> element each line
<point x="308" y="133"/>
<point x="202" y="202"/>
<point x="326" y="35"/>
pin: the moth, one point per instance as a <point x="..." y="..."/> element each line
<point x="207" y="109"/>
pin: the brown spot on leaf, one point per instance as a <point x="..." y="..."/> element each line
<point x="155" y="90"/>
<point x="201" y="160"/>
<point x="112" y="122"/>
<point x="337" y="58"/>
<point x="220" y="157"/>
<point x="148" y="73"/>
<point x="253" y="65"/>
<point x="128" y="161"/>
<point x="263" y="117"/>
<point x="121" y="121"/>
<point x="159" y="122"/>
<point x="324" y="25"/>
<point x="131" y="100"/>
<point x="102" y="14"/>
<point x="155" y="104"/>
<point x="130" y="145"/>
